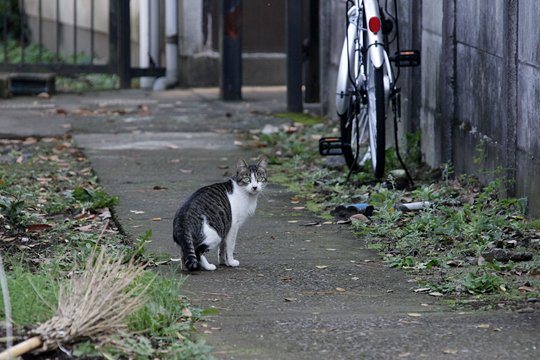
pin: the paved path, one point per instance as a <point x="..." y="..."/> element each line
<point x="286" y="300"/>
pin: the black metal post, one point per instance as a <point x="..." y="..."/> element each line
<point x="231" y="52"/>
<point x="311" y="77"/>
<point x="294" y="56"/>
<point x="123" y="44"/>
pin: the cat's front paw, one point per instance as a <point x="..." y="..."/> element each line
<point x="233" y="263"/>
<point x="210" y="267"/>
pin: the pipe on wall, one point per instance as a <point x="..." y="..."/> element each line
<point x="171" y="48"/>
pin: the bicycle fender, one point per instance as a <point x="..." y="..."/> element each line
<point x="344" y="83"/>
<point x="375" y="41"/>
<point x="346" y="70"/>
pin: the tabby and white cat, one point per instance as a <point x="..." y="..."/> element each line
<point x="212" y="216"/>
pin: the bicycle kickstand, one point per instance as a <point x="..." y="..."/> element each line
<point x="396" y="109"/>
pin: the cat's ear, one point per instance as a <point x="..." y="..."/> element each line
<point x="263" y="162"/>
<point x="241" y="165"/>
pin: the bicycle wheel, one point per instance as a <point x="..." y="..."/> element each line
<point x="375" y="108"/>
<point x="354" y="126"/>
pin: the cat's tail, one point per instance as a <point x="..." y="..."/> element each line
<point x="189" y="257"/>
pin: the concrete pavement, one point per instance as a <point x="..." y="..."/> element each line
<point x="301" y="292"/>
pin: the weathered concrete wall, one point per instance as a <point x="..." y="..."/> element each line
<point x="486" y="60"/>
<point x="528" y="103"/>
<point x="432" y="17"/>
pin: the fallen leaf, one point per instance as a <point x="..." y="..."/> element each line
<point x="186" y="171"/>
<point x="38" y="227"/>
<point x="321" y="266"/>
<point x="414" y="314"/>
<point x="355" y="278"/>
<point x="292" y="221"/>
<point x="290" y="299"/>
<point x="420" y="290"/>
<point x="186" y="312"/>
<point x="311" y="223"/>
<point x="85" y="228"/>
<point x="435" y="293"/>
<point x="105" y="214"/>
<point x="138" y="212"/>
<point x="525" y="289"/>
<point x="359" y="217"/>
<point x="330" y="249"/>
<point x="480" y="261"/>
<point x="299" y="208"/>
<point x="159" y="188"/>
<point x="156" y="219"/>
<point x="454" y="263"/>
<point x="339" y="289"/>
<point x="483" y="326"/>
<point x="450" y="351"/>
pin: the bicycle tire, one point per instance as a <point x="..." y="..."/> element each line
<point x="346" y="123"/>
<point x="377" y="123"/>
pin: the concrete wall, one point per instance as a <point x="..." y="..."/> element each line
<point x="492" y="93"/>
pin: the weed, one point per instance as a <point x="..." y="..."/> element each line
<point x="35" y="295"/>
<point x="94" y="199"/>
<point x="13" y="211"/>
<point x="480" y="282"/>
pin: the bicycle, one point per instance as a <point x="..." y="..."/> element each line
<point x="366" y="85"/>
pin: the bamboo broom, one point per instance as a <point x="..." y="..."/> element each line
<point x="90" y="306"/>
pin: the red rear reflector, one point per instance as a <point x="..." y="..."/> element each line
<point x="374" y="24"/>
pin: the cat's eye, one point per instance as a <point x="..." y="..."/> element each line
<point x="246" y="179"/>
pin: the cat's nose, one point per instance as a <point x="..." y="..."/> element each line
<point x="254" y="188"/>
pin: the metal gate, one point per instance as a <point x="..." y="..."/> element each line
<point x="119" y="40"/>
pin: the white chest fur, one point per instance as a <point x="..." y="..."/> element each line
<point x="243" y="205"/>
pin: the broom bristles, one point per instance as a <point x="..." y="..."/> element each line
<point x="96" y="303"/>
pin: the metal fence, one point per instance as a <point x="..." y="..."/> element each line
<point x="15" y="29"/>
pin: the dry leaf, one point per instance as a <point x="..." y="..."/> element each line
<point x="186" y="312"/>
<point x="38" y="227"/>
<point x="186" y="171"/>
<point x="525" y="289"/>
<point x="414" y="314"/>
<point x="436" y="294"/>
<point x="480" y="261"/>
<point x="450" y="351"/>
<point x="420" y="290"/>
<point x="290" y="299"/>
<point x="138" y="212"/>
<point x="339" y="289"/>
<point x="156" y="219"/>
<point x="359" y="217"/>
<point x="321" y="266"/>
